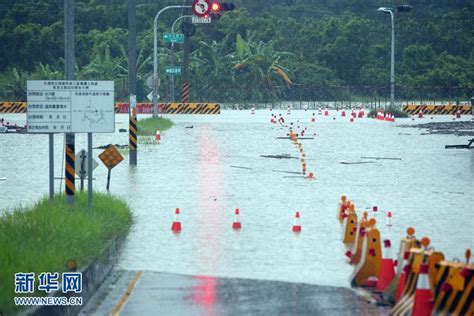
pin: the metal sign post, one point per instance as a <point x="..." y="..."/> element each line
<point x="89" y="170"/>
<point x="70" y="106"/>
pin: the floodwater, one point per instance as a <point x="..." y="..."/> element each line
<point x="197" y="170"/>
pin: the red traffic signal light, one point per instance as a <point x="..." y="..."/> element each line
<point x="215" y="7"/>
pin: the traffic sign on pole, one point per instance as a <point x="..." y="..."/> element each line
<point x="173" y="70"/>
<point x="201" y="20"/>
<point x="201" y="7"/>
<point x="173" y="38"/>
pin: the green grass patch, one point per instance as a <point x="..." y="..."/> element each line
<point x="41" y="238"/>
<point x="147" y="127"/>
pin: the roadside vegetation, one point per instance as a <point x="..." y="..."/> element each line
<point x="283" y="50"/>
<point x="43" y="237"/>
<point x="148" y="126"/>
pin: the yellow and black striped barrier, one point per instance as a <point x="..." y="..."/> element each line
<point x="191" y="108"/>
<point x="449" y="109"/>
<point x="133" y="130"/>
<point x="70" y="169"/>
<point x="12" y="107"/>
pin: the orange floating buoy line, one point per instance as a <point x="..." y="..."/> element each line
<point x="418" y="280"/>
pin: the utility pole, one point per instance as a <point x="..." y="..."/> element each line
<point x="69" y="75"/>
<point x="132" y="81"/>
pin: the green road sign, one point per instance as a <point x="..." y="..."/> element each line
<point x="173" y="70"/>
<point x="173" y="37"/>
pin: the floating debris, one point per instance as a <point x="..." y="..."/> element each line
<point x="241" y="167"/>
<point x="283" y="156"/>
<point x="291" y="172"/>
<point x="379" y="158"/>
<point x="355" y="162"/>
<point x="107" y="146"/>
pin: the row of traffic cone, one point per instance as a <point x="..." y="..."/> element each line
<point x="385" y="116"/>
<point x="236" y="224"/>
<point x="412" y="285"/>
<point x="299" y="146"/>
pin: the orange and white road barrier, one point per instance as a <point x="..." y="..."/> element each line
<point x="453" y="293"/>
<point x="417" y="258"/>
<point x="343" y="113"/>
<point x="394" y="290"/>
<point x="297" y="223"/>
<point x="236" y="224"/>
<point x="349" y="228"/>
<point x="326" y="112"/>
<point x="158" y="135"/>
<point x="176" y="226"/>
<point x="354" y="253"/>
<point x="367" y="270"/>
<point x="341" y="206"/>
<point x="423" y="304"/>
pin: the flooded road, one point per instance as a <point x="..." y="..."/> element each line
<point x="200" y="171"/>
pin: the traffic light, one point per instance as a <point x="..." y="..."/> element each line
<point x="217" y="7"/>
<point x="404" y="8"/>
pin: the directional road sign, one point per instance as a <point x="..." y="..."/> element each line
<point x="173" y="37"/>
<point x="173" y="70"/>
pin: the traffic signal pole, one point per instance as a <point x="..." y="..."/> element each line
<point x="69" y="75"/>
<point x="185" y="88"/>
<point x="155" y="52"/>
<point x="132" y="81"/>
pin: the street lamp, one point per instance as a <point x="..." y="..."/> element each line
<point x="401" y="8"/>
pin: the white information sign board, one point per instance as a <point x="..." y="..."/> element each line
<point x="70" y="106"/>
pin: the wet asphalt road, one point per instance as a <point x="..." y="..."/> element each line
<point x="154" y="293"/>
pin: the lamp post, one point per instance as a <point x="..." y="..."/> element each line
<point x="155" y="58"/>
<point x="401" y="8"/>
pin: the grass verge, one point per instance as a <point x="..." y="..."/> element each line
<point x="147" y="127"/>
<point x="43" y="237"/>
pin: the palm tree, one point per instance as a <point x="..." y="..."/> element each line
<point x="258" y="66"/>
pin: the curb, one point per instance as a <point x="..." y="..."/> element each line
<point x="93" y="276"/>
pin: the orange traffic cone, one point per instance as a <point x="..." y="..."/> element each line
<point x="236" y="224"/>
<point x="176" y="226"/>
<point x="313" y="119"/>
<point x="423" y="304"/>
<point x="420" y="114"/>
<point x="157" y="136"/>
<point x="387" y="271"/>
<point x="297" y="223"/>
<point x="403" y="276"/>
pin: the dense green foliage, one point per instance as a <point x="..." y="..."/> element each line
<point x="263" y="51"/>
<point x="42" y="238"/>
<point x="147" y="127"/>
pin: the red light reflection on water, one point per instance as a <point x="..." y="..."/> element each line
<point x="205" y="293"/>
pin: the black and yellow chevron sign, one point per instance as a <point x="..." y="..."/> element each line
<point x="413" y="109"/>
